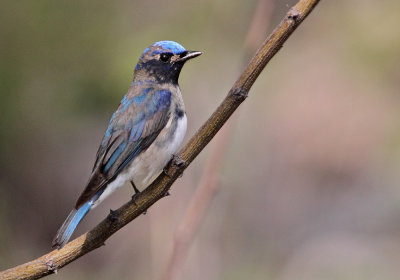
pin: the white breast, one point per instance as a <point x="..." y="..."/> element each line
<point x="149" y="164"/>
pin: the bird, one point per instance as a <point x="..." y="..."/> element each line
<point x="143" y="134"/>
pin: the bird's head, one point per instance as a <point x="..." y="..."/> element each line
<point x="163" y="62"/>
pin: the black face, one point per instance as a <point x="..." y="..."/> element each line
<point x="165" y="67"/>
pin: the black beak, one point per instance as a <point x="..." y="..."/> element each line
<point x="189" y="55"/>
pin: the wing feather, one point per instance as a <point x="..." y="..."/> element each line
<point x="133" y="127"/>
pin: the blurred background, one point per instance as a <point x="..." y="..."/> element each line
<point x="309" y="184"/>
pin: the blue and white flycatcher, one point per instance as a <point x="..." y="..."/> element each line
<point x="143" y="134"/>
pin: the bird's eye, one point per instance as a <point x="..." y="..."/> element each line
<point x="164" y="57"/>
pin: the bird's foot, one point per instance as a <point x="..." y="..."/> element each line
<point x="113" y="216"/>
<point x="167" y="194"/>
<point x="165" y="171"/>
<point x="134" y="198"/>
<point x="137" y="192"/>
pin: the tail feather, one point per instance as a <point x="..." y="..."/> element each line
<point x="70" y="224"/>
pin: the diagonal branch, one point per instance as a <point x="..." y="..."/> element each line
<point x="95" y="238"/>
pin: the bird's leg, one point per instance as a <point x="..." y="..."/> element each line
<point x="135" y="195"/>
<point x="136" y="192"/>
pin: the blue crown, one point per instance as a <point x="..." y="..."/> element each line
<point x="172" y="46"/>
<point x="169" y="46"/>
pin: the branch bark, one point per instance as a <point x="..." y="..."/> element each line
<point x="51" y="262"/>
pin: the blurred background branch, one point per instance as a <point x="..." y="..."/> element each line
<point x="209" y="182"/>
<point x="54" y="260"/>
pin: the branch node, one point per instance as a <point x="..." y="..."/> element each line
<point x="51" y="266"/>
<point x="113" y="216"/>
<point x="240" y="94"/>
<point x="293" y="14"/>
<point x="178" y="161"/>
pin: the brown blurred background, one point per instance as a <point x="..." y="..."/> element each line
<point x="310" y="182"/>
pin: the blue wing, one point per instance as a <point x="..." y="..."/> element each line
<point x="133" y="127"/>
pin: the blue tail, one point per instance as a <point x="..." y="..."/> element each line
<point x="70" y="224"/>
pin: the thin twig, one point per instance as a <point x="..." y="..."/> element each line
<point x="96" y="237"/>
<point x="209" y="182"/>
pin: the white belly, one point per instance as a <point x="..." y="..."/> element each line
<point x="149" y="164"/>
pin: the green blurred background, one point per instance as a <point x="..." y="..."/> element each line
<point x="310" y="182"/>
